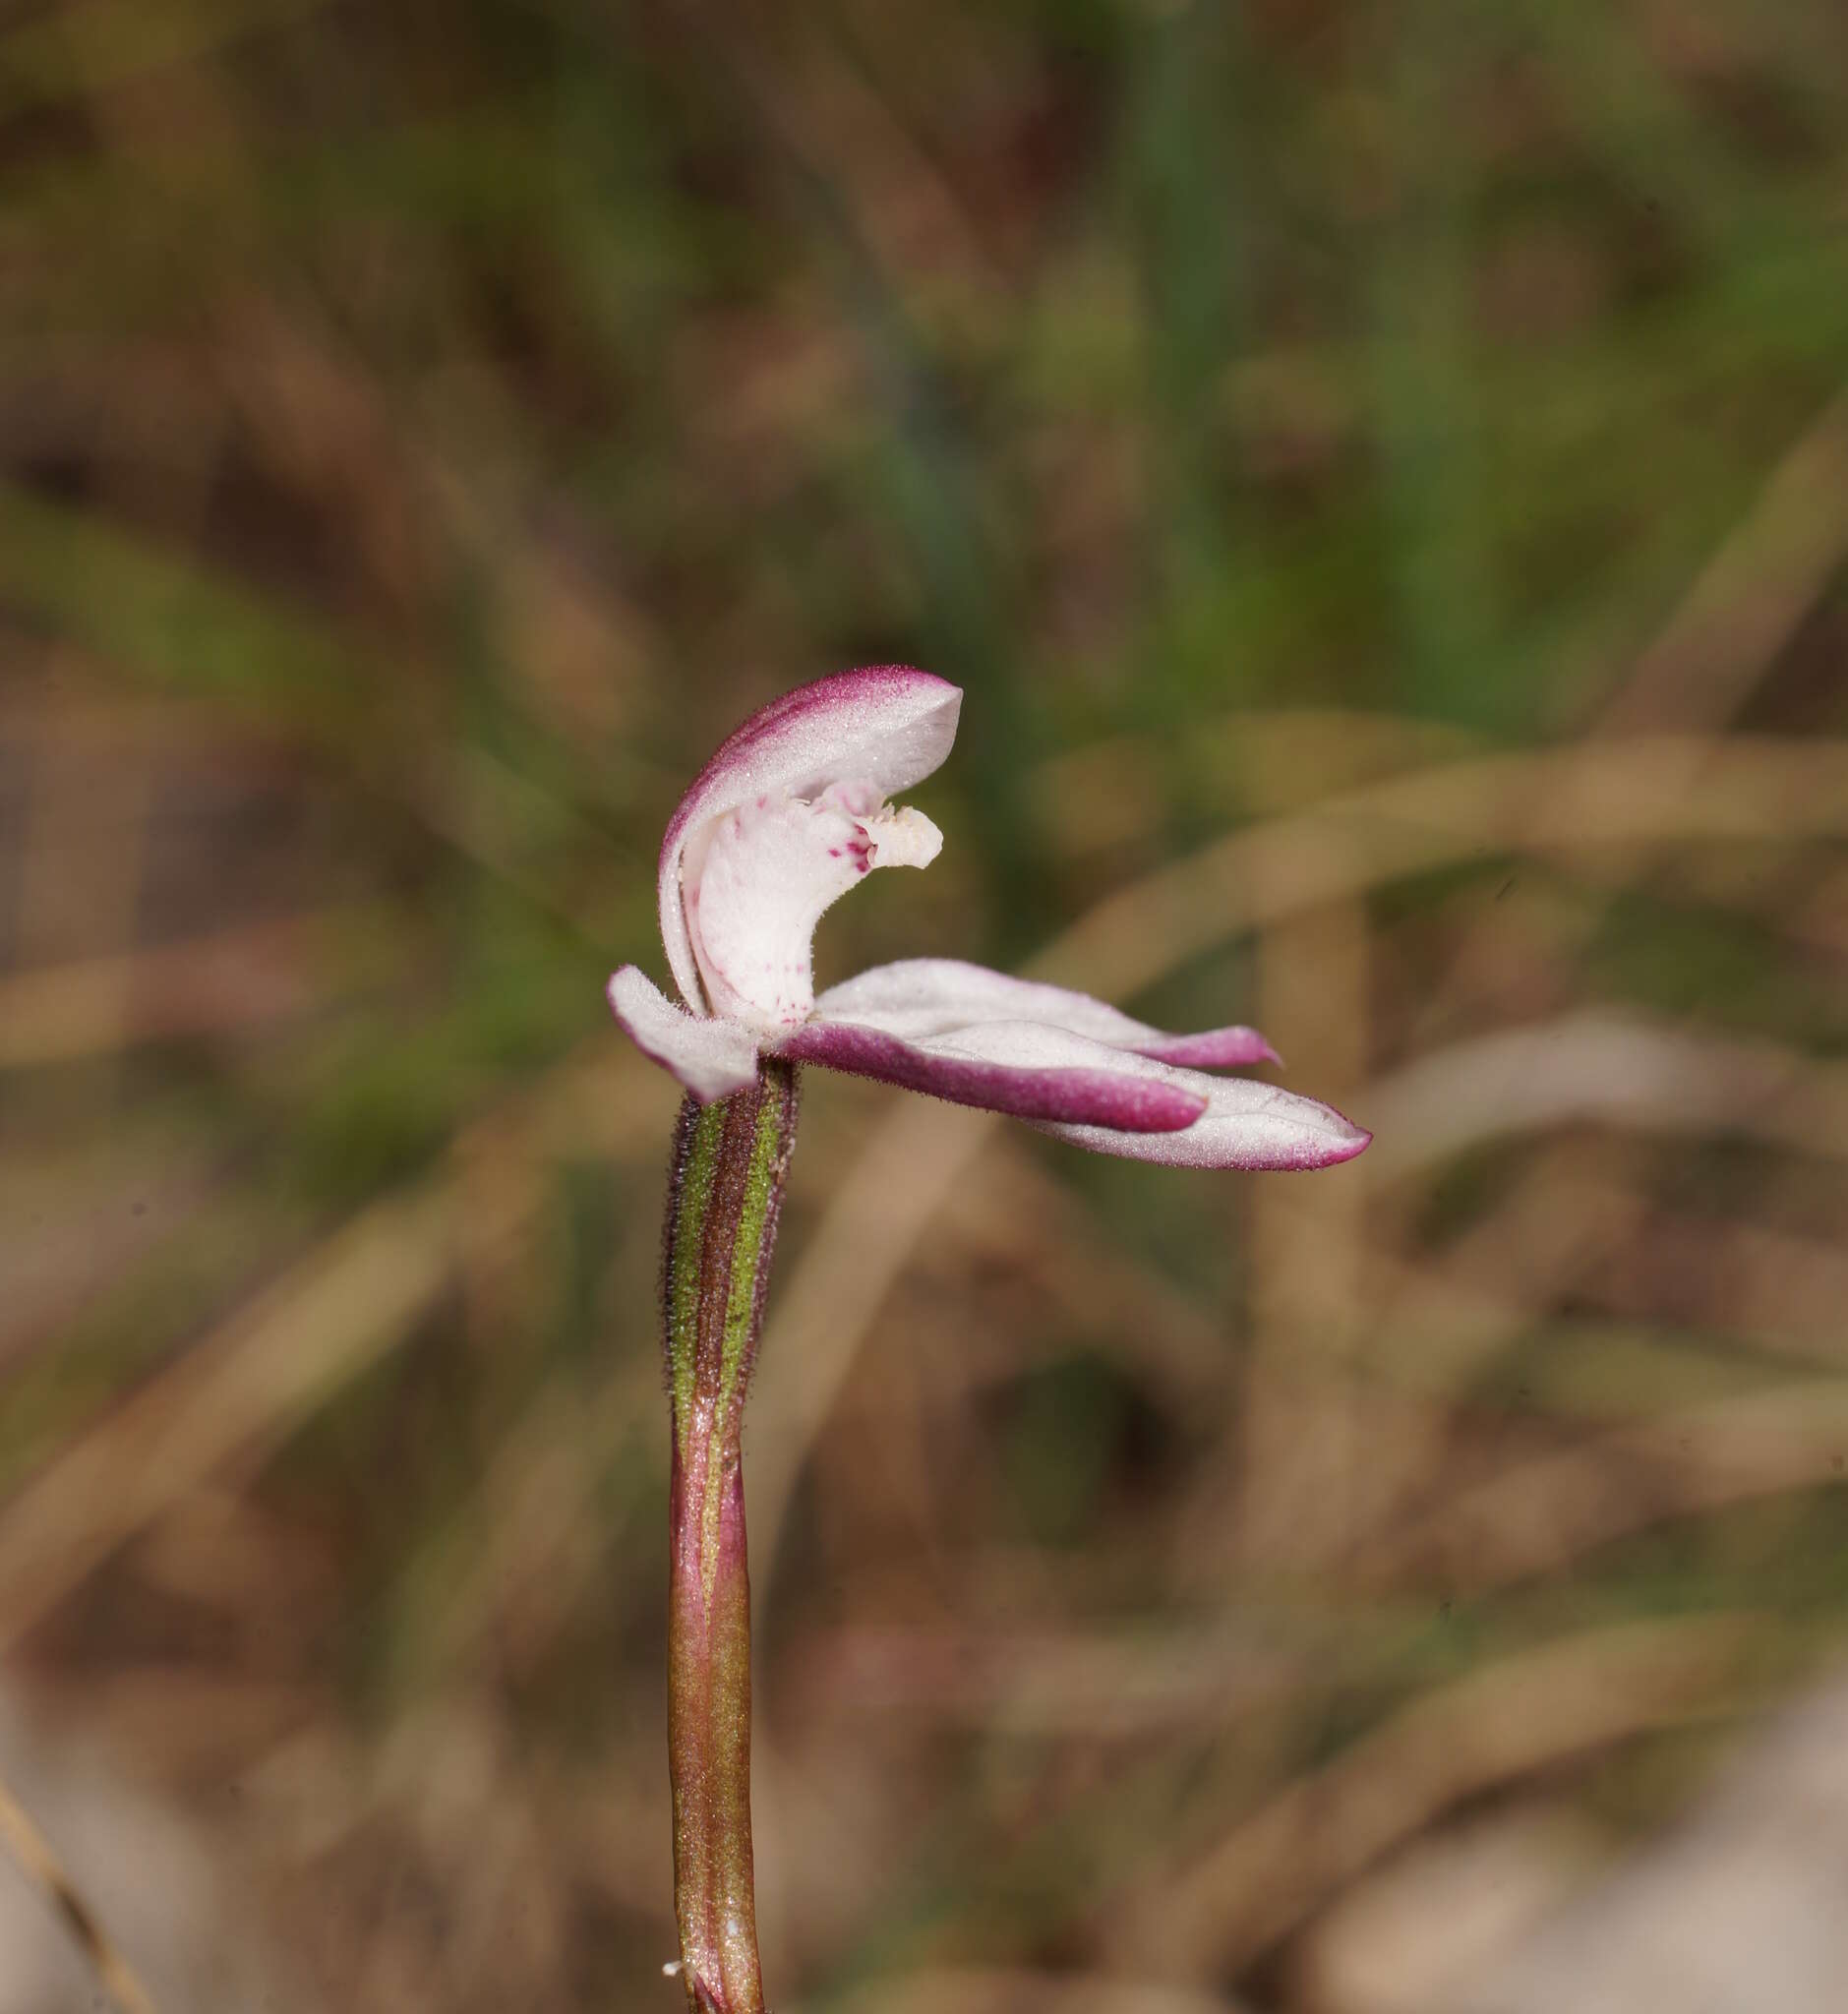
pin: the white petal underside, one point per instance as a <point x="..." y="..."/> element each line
<point x="1246" y="1124"/>
<point x="711" y="1058"/>
<point x="918" y="998"/>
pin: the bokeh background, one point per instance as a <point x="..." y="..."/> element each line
<point x="1381" y="475"/>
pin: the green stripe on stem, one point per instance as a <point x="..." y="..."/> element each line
<point x="725" y="1192"/>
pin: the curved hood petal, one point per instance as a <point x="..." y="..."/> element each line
<point x="885" y="724"/>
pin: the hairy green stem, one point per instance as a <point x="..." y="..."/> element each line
<point x="724" y="1195"/>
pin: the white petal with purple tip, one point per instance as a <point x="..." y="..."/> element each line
<point x="920" y="997"/>
<point x="1242" y="1124"/>
<point x="1246" y="1125"/>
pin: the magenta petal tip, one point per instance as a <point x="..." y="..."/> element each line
<point x="1220" y="1048"/>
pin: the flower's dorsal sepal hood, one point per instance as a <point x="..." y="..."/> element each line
<point x="876" y="731"/>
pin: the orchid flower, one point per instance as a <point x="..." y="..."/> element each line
<point x="792" y="811"/>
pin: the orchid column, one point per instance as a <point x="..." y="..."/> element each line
<point x="788" y="815"/>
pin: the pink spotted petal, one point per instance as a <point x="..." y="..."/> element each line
<point x="1022" y="1069"/>
<point x="886" y="725"/>
<point x="711" y="1058"/>
<point x="918" y="998"/>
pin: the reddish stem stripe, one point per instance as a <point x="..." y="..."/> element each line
<point x="725" y="1194"/>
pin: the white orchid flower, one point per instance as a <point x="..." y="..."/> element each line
<point x="791" y="812"/>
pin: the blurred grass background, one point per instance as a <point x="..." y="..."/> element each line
<point x="1381" y="475"/>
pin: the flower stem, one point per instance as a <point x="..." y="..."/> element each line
<point x="724" y="1195"/>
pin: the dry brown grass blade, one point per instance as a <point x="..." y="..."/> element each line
<point x="1051" y="1683"/>
<point x="1115" y="789"/>
<point x="1297" y="1455"/>
<point x="545" y="1538"/>
<point x="537" y="1496"/>
<point x="830" y="116"/>
<point x="1747" y="601"/>
<point x="1595" y="1065"/>
<point x="47" y="1871"/>
<point x="1020" y="1991"/>
<point x="330" y="428"/>
<point x="84" y="1212"/>
<point x="272" y="1362"/>
<point x="880" y="1207"/>
<point x="1781" y="1294"/>
<point x="1431" y="1327"/>
<point x="1539" y="1516"/>
<point x="231" y="980"/>
<point x="1623" y="795"/>
<point x="1501" y="1722"/>
<point x="1572" y="1205"/>
<point x="79" y="876"/>
<point x="1431" y="1517"/>
<point x="1011" y="1211"/>
<point x="1723" y="637"/>
<point x="1417" y="1934"/>
<point x="248" y="1381"/>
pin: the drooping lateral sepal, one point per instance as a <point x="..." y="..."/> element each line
<point x="710" y="1058"/>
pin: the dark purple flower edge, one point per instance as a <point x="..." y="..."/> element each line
<point x="1122" y="1102"/>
